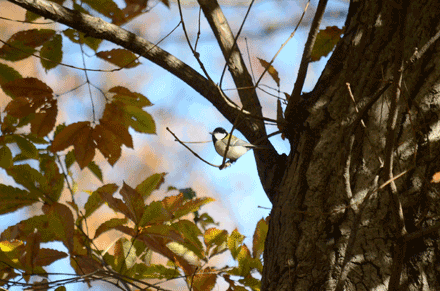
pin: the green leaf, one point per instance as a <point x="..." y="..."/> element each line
<point x="120" y="57"/>
<point x="28" y="177"/>
<point x="326" y="40"/>
<point x="27" y="148"/>
<point x="13" y="199"/>
<point x="139" y="120"/>
<point x="150" y="184"/>
<point x="5" y="157"/>
<point x="129" y="98"/>
<point x="8" y="74"/>
<point x="79" y="37"/>
<point x="93" y="203"/>
<point x="155" y="213"/>
<point x="52" y="53"/>
<point x="96" y="170"/>
<point x="23" y="43"/>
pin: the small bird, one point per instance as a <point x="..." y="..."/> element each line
<point x="237" y="147"/>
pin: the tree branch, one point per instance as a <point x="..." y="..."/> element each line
<point x="98" y="28"/>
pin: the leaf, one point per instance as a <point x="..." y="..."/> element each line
<point x="134" y="202"/>
<point x="191" y="206"/>
<point x="203" y="280"/>
<point x="51" y="53"/>
<point x="118" y="130"/>
<point x="19" y="107"/>
<point x="79" y="38"/>
<point x="107" y="8"/>
<point x="61" y="221"/>
<point x="215" y="240"/>
<point x="55" y="180"/>
<point x="44" y="121"/>
<point x="13" y="199"/>
<point x="150" y="184"/>
<point x="259" y="238"/>
<point x="93" y="203"/>
<point x="96" y="170"/>
<point x="27" y="148"/>
<point x="67" y="136"/>
<point x="190" y="233"/>
<point x="110" y="224"/>
<point x="271" y="70"/>
<point x="106" y="193"/>
<point x="120" y="57"/>
<point x="5" y="157"/>
<point x="107" y="143"/>
<point x="155" y="213"/>
<point x="143" y="271"/>
<point x="31" y="88"/>
<point x="139" y="120"/>
<point x="28" y="177"/>
<point x="48" y="256"/>
<point x="129" y="98"/>
<point x="84" y="147"/>
<point x="8" y="74"/>
<point x="325" y="42"/>
<point x="235" y="240"/>
<point x="23" y="43"/>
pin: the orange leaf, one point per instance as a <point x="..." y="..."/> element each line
<point x="436" y="178"/>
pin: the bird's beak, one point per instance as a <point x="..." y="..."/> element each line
<point x="210" y="133"/>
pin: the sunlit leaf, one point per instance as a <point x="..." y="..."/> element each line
<point x="271" y="70"/>
<point x="130" y="98"/>
<point x="259" y="238"/>
<point x="140" y="120"/>
<point x="150" y="184"/>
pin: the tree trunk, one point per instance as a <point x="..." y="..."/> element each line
<point x="334" y="224"/>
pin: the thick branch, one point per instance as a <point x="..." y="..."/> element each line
<point x="98" y="28"/>
<point x="242" y="78"/>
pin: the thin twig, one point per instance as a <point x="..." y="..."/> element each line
<point x="196" y="54"/>
<point x="194" y="153"/>
<point x="302" y="71"/>
<point x="284" y="44"/>
<point x="235" y="42"/>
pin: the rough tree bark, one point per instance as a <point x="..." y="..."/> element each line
<point x="332" y="226"/>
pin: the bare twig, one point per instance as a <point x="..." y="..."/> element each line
<point x="196" y="54"/>
<point x="284" y="44"/>
<point x="235" y="42"/>
<point x="194" y="153"/>
<point x="302" y="72"/>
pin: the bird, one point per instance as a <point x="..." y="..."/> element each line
<point x="237" y="147"/>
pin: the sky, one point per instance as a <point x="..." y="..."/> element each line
<point x="240" y="199"/>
